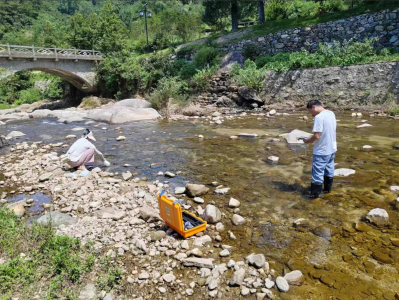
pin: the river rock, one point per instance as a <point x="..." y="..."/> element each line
<point x="394" y="188"/>
<point x="364" y="125"/>
<point x="212" y="214"/>
<point x="149" y="214"/>
<point x="292" y="137"/>
<point x="344" y="172"/>
<point x="127" y="175"/>
<point x="202" y="241"/>
<point x="57" y="219"/>
<point x="88" y="292"/>
<point x="282" y="284"/>
<point x="245" y="291"/>
<point x="133" y="103"/>
<point x="223" y="191"/>
<point x="248" y="135"/>
<point x="238" y="220"/>
<point x="19" y="210"/>
<point x="198" y="200"/>
<point x="157" y="235"/>
<point x="238" y="277"/>
<point x="196" y="190"/>
<point x="294" y="278"/>
<point x="224" y="253"/>
<point x="45" y="177"/>
<point x="198" y="262"/>
<point x="180" y="190"/>
<point x="269" y="283"/>
<point x="234" y="203"/>
<point x="121" y="138"/>
<point x="15" y="134"/>
<point x="213" y="284"/>
<point x="273" y="158"/>
<point x="378" y="216"/>
<point x="256" y="260"/>
<point x="170" y="174"/>
<point x="249" y="95"/>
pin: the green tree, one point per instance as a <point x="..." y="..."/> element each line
<point x="101" y="31"/>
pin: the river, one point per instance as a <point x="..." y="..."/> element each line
<point x="337" y="259"/>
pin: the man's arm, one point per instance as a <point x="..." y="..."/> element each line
<point x="314" y="137"/>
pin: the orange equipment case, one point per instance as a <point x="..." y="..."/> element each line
<point x="175" y="218"/>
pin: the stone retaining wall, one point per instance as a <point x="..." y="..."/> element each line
<point x="384" y="25"/>
<point x="351" y="85"/>
<point x="358" y="84"/>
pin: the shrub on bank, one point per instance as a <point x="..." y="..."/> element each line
<point x="335" y="54"/>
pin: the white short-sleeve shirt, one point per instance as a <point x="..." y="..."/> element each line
<point x="325" y="123"/>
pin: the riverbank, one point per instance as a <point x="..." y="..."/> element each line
<point x="320" y="238"/>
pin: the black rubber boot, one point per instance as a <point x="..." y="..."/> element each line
<point x="328" y="182"/>
<point x="315" y="190"/>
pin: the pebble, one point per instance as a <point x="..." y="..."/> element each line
<point x="273" y="158"/>
<point x="198" y="200"/>
<point x="162" y="290"/>
<point x="234" y="203"/>
<point x="121" y="138"/>
<point x="245" y="291"/>
<point x="238" y="220"/>
<point x="224" y="253"/>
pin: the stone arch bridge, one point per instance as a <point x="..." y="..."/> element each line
<point x="73" y="65"/>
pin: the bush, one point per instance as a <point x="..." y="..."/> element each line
<point x="334" y="5"/>
<point x="29" y="96"/>
<point x="250" y="76"/>
<point x="201" y="80"/>
<point x="187" y="71"/>
<point x="299" y="9"/>
<point x="251" y="51"/>
<point x="169" y="90"/>
<point x="275" y="10"/>
<point x="206" y="57"/>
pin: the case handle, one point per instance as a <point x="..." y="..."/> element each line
<point x="162" y="192"/>
<point x="177" y="201"/>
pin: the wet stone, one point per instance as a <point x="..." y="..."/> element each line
<point x="382" y="257"/>
<point x="327" y="280"/>
<point x="282" y="284"/>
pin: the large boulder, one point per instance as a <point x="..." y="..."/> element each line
<point x="128" y="115"/>
<point x="212" y="214"/>
<point x="118" y="114"/>
<point x="225" y="101"/>
<point x="57" y="219"/>
<point x="249" y="96"/>
<point x="15" y="134"/>
<point x="134" y="103"/>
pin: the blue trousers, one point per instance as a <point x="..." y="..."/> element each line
<point x="322" y="165"/>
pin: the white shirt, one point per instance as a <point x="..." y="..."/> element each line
<point x="325" y="123"/>
<point x="77" y="149"/>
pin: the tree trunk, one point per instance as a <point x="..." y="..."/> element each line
<point x="261" y="11"/>
<point x="234" y="15"/>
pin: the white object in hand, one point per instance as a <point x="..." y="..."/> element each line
<point x="107" y="163"/>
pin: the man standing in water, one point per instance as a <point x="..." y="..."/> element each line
<point x="324" y="136"/>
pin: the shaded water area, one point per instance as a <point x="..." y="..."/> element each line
<point x="341" y="256"/>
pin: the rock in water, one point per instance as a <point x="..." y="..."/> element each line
<point x="196" y="190"/>
<point x="282" y="284"/>
<point x="15" y="134"/>
<point x="292" y="137"/>
<point x="212" y="214"/>
<point x="294" y="277"/>
<point x="238" y="220"/>
<point x="344" y="172"/>
<point x="378" y="216"/>
<point x="234" y="203"/>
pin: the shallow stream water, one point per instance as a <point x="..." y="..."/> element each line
<point x="339" y="261"/>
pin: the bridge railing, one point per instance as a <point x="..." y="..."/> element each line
<point x="14" y="51"/>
